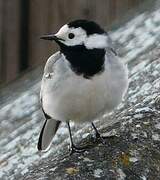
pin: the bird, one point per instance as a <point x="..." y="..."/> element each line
<point x="81" y="81"/>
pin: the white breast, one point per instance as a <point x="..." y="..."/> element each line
<point x="67" y="96"/>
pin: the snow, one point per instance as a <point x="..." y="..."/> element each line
<point x="138" y="116"/>
<point x="145" y="31"/>
<point x="97" y="173"/>
<point x="157" y="126"/>
<point x="121" y="174"/>
<point x="133" y="159"/>
<point x="156" y="137"/>
<point x="143" y="178"/>
<point x="87" y="160"/>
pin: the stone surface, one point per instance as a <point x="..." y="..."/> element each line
<point x="134" y="152"/>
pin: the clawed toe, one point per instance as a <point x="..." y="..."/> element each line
<point x="101" y="139"/>
<point x="74" y="149"/>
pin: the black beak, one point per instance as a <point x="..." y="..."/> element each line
<point x="50" y="37"/>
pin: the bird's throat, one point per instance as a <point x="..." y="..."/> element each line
<point x="86" y="62"/>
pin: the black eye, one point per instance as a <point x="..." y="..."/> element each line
<point x="71" y="35"/>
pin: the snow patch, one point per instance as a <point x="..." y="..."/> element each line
<point x="138" y="116"/>
<point x="133" y="159"/>
<point x="156" y="137"/>
<point x="87" y="160"/>
<point x="143" y="178"/>
<point x="97" y="173"/>
<point x="157" y="126"/>
<point x="121" y="174"/>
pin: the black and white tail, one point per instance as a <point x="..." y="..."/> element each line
<point x="48" y="131"/>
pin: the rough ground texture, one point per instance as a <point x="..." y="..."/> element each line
<point x="134" y="152"/>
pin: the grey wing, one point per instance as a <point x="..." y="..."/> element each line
<point x="49" y="69"/>
<point x="50" y="126"/>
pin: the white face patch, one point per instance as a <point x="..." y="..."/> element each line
<point x="79" y="35"/>
<point x="96" y="41"/>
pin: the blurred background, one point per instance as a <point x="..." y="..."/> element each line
<point x="23" y="22"/>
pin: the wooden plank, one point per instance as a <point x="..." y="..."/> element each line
<point x="44" y="17"/>
<point x="48" y="16"/>
<point x="24" y="17"/>
<point x="1" y="27"/>
<point x="11" y="22"/>
<point x="39" y="25"/>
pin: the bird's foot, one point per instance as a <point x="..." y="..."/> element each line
<point x="75" y="149"/>
<point x="102" y="139"/>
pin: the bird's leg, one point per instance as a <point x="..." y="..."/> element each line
<point x="73" y="148"/>
<point x="98" y="136"/>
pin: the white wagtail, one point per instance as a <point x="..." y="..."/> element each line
<point x="81" y="81"/>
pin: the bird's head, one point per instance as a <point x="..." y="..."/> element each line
<point x="80" y="33"/>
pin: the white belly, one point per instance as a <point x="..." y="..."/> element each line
<point x="78" y="99"/>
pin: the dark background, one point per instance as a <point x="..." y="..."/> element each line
<point x="23" y="21"/>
